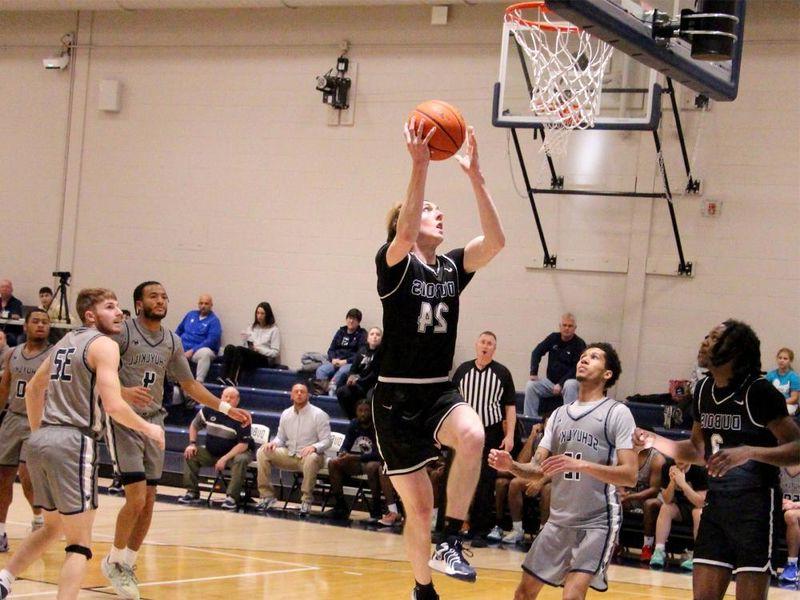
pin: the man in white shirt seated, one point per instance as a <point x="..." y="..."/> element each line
<point x="304" y="434"/>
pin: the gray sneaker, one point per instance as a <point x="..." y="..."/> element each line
<point x="496" y="534"/>
<point x="36" y="525"/>
<point x="122" y="579"/>
<point x="305" y="508"/>
<point x="266" y="504"/>
<point x="4" y="543"/>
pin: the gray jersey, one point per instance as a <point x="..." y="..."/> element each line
<point x="790" y="485"/>
<point x="643" y="475"/>
<point x="71" y="397"/>
<point x="147" y="357"/>
<point x="592" y="432"/>
<point x="21" y="369"/>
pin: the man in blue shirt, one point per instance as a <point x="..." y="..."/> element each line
<point x="201" y="332"/>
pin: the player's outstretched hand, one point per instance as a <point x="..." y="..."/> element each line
<point x="725" y="460"/>
<point x="642" y="439"/>
<point x="243" y="416"/>
<point x="469" y="160"/>
<point x="156" y="433"/>
<point x="416" y="141"/>
<point x="560" y="463"/>
<point x="500" y="460"/>
<point x="138" y="396"/>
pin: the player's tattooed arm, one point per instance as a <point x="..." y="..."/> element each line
<point x="502" y="461"/>
<point x="691" y="450"/>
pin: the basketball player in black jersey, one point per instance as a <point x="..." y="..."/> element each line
<point x="742" y="432"/>
<point x="416" y="408"/>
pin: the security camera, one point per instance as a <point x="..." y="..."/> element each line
<point x="60" y="62"/>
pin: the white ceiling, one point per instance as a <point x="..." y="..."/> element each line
<point x="72" y="5"/>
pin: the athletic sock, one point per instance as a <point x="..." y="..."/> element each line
<point x="130" y="556"/>
<point x="662" y="547"/>
<point x="649" y="540"/>
<point x="516" y="525"/>
<point x="426" y="592"/>
<point x="393" y="508"/>
<point x="117" y="555"/>
<point x="2" y="528"/>
<point x="7" y="578"/>
<point x="452" y="526"/>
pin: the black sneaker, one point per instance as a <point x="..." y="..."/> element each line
<point x="448" y="558"/>
<point x="4" y="591"/>
<point x="416" y="594"/>
<point x="116" y="488"/>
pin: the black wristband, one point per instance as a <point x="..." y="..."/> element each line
<point x="192" y="443"/>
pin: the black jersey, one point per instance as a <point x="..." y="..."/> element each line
<point x="420" y="316"/>
<point x="738" y="416"/>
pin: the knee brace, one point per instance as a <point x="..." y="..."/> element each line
<point x="78" y="549"/>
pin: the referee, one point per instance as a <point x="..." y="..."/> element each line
<point x="489" y="389"/>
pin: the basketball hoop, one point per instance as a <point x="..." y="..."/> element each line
<point x="567" y="66"/>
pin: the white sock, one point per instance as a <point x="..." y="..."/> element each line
<point x="393" y="508"/>
<point x="792" y="560"/>
<point x="662" y="547"/>
<point x="516" y="526"/>
<point x="130" y="556"/>
<point x="649" y="540"/>
<point x="117" y="555"/>
<point x="2" y="528"/>
<point x="7" y="577"/>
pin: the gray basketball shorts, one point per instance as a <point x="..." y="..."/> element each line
<point x="14" y="434"/>
<point x="63" y="466"/>
<point x="557" y="551"/>
<point x="136" y="457"/>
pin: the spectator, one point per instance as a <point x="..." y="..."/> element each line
<point x="563" y="349"/>
<point x="363" y="374"/>
<point x="262" y="346"/>
<point x="785" y="380"/>
<point x="359" y="455"/>
<point x="304" y="434"/>
<point x="126" y="314"/>
<point x="683" y="501"/>
<point x="648" y="486"/>
<point x="343" y="349"/>
<point x="487" y="386"/>
<point x="518" y="488"/>
<point x="228" y="443"/>
<point x="200" y="332"/>
<point x="46" y="303"/>
<point x="790" y="487"/>
<point x="10" y="308"/>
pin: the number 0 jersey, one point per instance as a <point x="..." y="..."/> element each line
<point x="22" y="368"/>
<point x="71" y="398"/>
<point x="738" y="416"/>
<point x="420" y="316"/>
<point x="147" y="357"/>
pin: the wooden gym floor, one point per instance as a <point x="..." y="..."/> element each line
<point x="207" y="553"/>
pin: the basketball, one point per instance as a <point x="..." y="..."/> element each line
<point x="450" y="127"/>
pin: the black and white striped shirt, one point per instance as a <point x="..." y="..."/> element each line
<point x="488" y="390"/>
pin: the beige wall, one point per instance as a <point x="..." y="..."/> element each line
<point x="220" y="174"/>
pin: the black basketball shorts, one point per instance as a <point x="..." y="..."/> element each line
<point x="407" y="421"/>
<point x="739" y="530"/>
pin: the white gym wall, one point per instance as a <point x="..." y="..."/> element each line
<point x="220" y="174"/>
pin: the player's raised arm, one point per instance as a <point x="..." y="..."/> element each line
<point x="485" y="247"/>
<point x="197" y="391"/>
<point x="691" y="451"/>
<point x="411" y="210"/>
<point x="103" y="357"/>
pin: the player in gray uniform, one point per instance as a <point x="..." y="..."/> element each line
<point x="149" y="354"/>
<point x="20" y="365"/>
<point x="81" y="383"/>
<point x="586" y="451"/>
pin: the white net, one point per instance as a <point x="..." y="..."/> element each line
<point x="566" y="72"/>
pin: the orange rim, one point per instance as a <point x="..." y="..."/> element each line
<point x="512" y="12"/>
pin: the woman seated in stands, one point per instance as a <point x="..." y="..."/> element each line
<point x="261" y="347"/>
<point x="683" y="501"/>
<point x="785" y="380"/>
<point x="363" y="374"/>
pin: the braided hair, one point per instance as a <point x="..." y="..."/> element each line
<point x="739" y="345"/>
